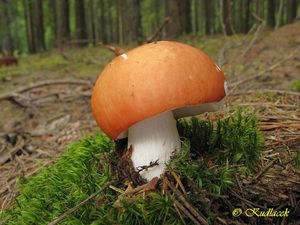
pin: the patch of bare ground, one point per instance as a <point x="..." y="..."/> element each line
<point x="36" y="124"/>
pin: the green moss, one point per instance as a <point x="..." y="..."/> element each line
<point x="61" y="186"/>
<point x="295" y="85"/>
<point x="212" y="150"/>
<point x="296" y="160"/>
<point x="208" y="157"/>
<point x="235" y="139"/>
<point x="154" y="209"/>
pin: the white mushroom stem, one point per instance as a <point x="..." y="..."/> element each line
<point x="153" y="139"/>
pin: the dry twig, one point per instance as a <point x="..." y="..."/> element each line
<point x="187" y="213"/>
<point x="159" y="30"/>
<point x="265" y="169"/>
<point x="116" y="50"/>
<point x="191" y="209"/>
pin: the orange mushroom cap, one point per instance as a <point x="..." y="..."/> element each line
<point x="152" y="79"/>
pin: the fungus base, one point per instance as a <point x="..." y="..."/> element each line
<point x="153" y="139"/>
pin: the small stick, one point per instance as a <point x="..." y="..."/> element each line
<point x="187" y="204"/>
<point x="145" y="187"/>
<point x="249" y="203"/>
<point x="186" y="212"/>
<point x="263" y="171"/>
<point x="116" y="50"/>
<point x="71" y="210"/>
<point x="178" y="212"/>
<point x="116" y="189"/>
<point x="142" y="168"/>
<point x="178" y="181"/>
<point x="253" y="40"/>
<point x="222" y="221"/>
<point x="158" y="31"/>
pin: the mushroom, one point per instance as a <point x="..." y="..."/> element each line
<point x="139" y="94"/>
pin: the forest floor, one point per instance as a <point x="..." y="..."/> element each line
<point x="45" y="105"/>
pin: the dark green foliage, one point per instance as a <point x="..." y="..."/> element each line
<point x="233" y="141"/>
<point x="236" y="139"/>
<point x="208" y="153"/>
<point x="212" y="179"/>
<point x="296" y="160"/>
<point x="295" y="85"/>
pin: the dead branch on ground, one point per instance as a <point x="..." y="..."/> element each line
<point x="8" y="95"/>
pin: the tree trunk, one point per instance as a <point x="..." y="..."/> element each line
<point x="53" y="16"/>
<point x="29" y="26"/>
<point x="196" y="19"/>
<point x="258" y="9"/>
<point x="62" y="22"/>
<point x="207" y="12"/>
<point x="179" y="13"/>
<point x="247" y="15"/>
<point x="111" y="23"/>
<point x="131" y="18"/>
<point x="80" y="26"/>
<point x="279" y="18"/>
<point x="157" y="17"/>
<point x="291" y="10"/>
<point x="103" y="30"/>
<point x="120" y="22"/>
<point x="40" y="32"/>
<point x="92" y="22"/>
<point x="7" y="41"/>
<point x="227" y="16"/>
<point x="271" y="13"/>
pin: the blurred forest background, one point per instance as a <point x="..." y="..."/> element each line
<point x="36" y="25"/>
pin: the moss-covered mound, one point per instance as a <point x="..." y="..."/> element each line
<point x="211" y="154"/>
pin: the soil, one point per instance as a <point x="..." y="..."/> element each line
<point x="37" y="125"/>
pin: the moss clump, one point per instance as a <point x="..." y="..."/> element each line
<point x="154" y="209"/>
<point x="235" y="139"/>
<point x="206" y="159"/>
<point x="295" y="85"/>
<point x="72" y="179"/>
<point x="213" y="150"/>
<point x="296" y="160"/>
